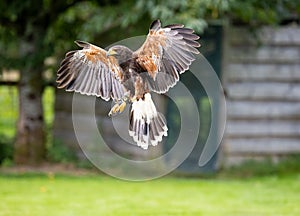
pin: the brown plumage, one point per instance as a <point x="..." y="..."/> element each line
<point x="123" y="74"/>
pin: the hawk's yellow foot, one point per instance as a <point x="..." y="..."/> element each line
<point x="117" y="108"/>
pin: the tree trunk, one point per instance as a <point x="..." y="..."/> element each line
<point x="30" y="137"/>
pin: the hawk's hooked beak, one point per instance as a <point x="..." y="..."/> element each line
<point x="111" y="52"/>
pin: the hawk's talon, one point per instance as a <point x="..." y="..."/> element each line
<point x="122" y="107"/>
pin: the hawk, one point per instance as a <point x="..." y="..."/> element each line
<point x="128" y="76"/>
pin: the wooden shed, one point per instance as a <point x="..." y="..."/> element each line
<point x="261" y="78"/>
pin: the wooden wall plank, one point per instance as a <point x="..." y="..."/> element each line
<point x="255" y="110"/>
<point x="265" y="54"/>
<point x="238" y="72"/>
<point x="263" y="146"/>
<point x="264" y="91"/>
<point x="282" y="36"/>
<point x="263" y="128"/>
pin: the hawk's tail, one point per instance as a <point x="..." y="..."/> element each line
<point x="146" y="125"/>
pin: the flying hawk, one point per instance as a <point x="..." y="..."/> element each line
<point x="129" y="76"/>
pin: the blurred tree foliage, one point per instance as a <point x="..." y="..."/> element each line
<point x="257" y="12"/>
<point x="64" y="21"/>
<point x="32" y="30"/>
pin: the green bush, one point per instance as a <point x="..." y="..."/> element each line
<point x="60" y="153"/>
<point x="6" y="149"/>
<point x="268" y="167"/>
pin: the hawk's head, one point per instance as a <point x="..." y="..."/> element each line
<point x="121" y="53"/>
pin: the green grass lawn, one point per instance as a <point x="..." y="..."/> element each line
<point x="99" y="195"/>
<point x="55" y="195"/>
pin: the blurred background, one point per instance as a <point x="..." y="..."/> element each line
<point x="252" y="45"/>
<point x="254" y="48"/>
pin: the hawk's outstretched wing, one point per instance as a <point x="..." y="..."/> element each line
<point x="167" y="52"/>
<point x="89" y="71"/>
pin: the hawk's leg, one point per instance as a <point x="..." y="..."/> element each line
<point x="117" y="108"/>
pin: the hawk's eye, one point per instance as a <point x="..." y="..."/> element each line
<point x="112" y="52"/>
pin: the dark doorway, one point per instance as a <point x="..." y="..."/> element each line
<point x="211" y="48"/>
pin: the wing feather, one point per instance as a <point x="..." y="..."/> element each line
<point x="168" y="50"/>
<point x="88" y="71"/>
